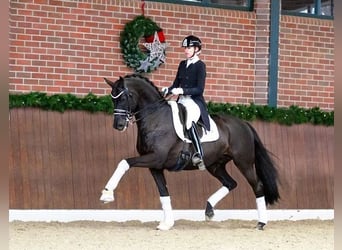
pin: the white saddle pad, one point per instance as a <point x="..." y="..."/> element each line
<point x="207" y="136"/>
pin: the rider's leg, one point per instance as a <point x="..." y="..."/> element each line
<point x="197" y="158"/>
<point x="193" y="113"/>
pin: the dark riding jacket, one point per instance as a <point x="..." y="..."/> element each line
<point x="192" y="80"/>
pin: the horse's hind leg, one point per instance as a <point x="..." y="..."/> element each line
<point x="228" y="185"/>
<point x="248" y="171"/>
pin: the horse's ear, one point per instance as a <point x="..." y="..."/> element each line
<point x="110" y="83"/>
<point x="120" y="81"/>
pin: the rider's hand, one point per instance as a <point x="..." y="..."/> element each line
<point x="177" y="91"/>
<point x="165" y="91"/>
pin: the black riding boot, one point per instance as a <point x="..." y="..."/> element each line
<point x="197" y="158"/>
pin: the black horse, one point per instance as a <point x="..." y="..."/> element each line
<point x="136" y="99"/>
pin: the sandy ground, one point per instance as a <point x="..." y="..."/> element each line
<point x="232" y="234"/>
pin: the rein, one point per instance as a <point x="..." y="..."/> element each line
<point x="152" y="105"/>
<point x="130" y="115"/>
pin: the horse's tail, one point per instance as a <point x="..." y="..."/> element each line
<point x="265" y="169"/>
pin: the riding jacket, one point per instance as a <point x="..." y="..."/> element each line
<point x="192" y="80"/>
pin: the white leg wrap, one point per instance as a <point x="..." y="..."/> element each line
<point x="218" y="195"/>
<point x="168" y="220"/>
<point x="108" y="193"/>
<point x="261" y="206"/>
<point x="118" y="173"/>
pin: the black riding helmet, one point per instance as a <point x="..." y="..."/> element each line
<point x="192" y="41"/>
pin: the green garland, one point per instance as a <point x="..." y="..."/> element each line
<point x="133" y="56"/>
<point x="92" y="103"/>
<point x="287" y="116"/>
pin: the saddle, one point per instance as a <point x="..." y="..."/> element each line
<point x="179" y="118"/>
<point x="179" y="115"/>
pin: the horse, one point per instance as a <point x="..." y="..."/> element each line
<point x="138" y="100"/>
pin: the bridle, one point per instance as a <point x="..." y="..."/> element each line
<point x="122" y="112"/>
<point x="131" y="116"/>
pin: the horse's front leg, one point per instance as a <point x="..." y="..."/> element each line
<point x="168" y="221"/>
<point x="145" y="161"/>
<point x="108" y="192"/>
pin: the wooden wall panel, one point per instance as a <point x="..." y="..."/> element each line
<point x="63" y="160"/>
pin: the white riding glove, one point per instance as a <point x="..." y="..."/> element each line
<point x="177" y="91"/>
<point x="165" y="91"/>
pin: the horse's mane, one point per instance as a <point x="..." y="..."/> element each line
<point x="146" y="80"/>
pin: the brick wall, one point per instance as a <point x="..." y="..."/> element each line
<point x="306" y="62"/>
<point x="262" y="43"/>
<point x="69" y="46"/>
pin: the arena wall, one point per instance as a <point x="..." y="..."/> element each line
<point x="63" y="160"/>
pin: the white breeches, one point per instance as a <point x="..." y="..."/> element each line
<point x="193" y="112"/>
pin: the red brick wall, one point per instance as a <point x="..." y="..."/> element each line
<point x="262" y="44"/>
<point x="306" y="62"/>
<point x="69" y="46"/>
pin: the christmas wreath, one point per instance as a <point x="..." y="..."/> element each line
<point x="149" y="56"/>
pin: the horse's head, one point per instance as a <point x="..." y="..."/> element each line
<point x="130" y="94"/>
<point x="122" y="100"/>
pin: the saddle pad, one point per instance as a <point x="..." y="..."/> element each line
<point x="208" y="136"/>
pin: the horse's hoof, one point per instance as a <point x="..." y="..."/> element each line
<point x="208" y="218"/>
<point x="107" y="196"/>
<point x="209" y="212"/>
<point x="260" y="225"/>
<point x="209" y="215"/>
<point x="164" y="226"/>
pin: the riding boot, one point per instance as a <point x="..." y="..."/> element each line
<point x="197" y="158"/>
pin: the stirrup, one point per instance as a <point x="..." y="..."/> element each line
<point x="198" y="161"/>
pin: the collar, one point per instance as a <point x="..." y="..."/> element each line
<point x="192" y="60"/>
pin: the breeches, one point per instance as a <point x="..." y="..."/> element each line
<point x="193" y="112"/>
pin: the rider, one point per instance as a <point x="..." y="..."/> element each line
<point x="189" y="85"/>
